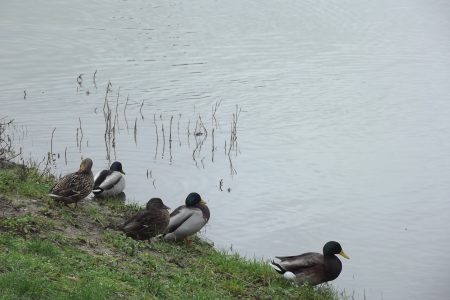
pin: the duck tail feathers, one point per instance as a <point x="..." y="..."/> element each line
<point x="277" y="267"/>
<point x="97" y="190"/>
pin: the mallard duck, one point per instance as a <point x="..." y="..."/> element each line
<point x="149" y="222"/>
<point x="74" y="186"/>
<point x="312" y="268"/>
<point x="110" y="182"/>
<point x="187" y="219"/>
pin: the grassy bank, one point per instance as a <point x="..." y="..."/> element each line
<point x="49" y="251"/>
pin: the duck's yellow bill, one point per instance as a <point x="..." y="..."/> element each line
<point x="342" y="253"/>
<point x="203" y="201"/>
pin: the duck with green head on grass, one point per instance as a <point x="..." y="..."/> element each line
<point x="188" y="219"/>
<point x="109" y="183"/>
<point x="312" y="268"/>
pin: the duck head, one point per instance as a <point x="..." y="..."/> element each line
<point x="332" y="248"/>
<point x="193" y="199"/>
<point x="155" y="203"/>
<point x="86" y="165"/>
<point x="117" y="166"/>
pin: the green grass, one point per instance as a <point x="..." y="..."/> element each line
<point x="27" y="223"/>
<point x="39" y="269"/>
<point x="23" y="181"/>
<point x="49" y="251"/>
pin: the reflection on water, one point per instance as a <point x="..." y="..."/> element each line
<point x="197" y="133"/>
<point x="340" y="133"/>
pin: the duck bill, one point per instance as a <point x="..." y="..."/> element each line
<point x="123" y="172"/>
<point x="342" y="253"/>
<point x="202" y="201"/>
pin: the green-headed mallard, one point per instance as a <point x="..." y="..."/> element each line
<point x="187" y="219"/>
<point x="312" y="268"/>
<point x="74" y="186"/>
<point x="110" y="182"/>
<point x="149" y="222"/>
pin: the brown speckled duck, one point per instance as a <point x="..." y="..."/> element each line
<point x="312" y="268"/>
<point x="149" y="222"/>
<point x="187" y="219"/>
<point x="74" y="186"/>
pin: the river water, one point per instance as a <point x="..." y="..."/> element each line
<point x="299" y="122"/>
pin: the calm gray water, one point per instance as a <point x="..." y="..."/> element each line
<point x="343" y="131"/>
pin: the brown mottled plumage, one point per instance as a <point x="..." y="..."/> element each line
<point x="312" y="268"/>
<point x="74" y="186"/>
<point x="149" y="222"/>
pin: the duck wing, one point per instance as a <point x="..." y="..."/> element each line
<point x="146" y="218"/>
<point x="135" y="222"/>
<point x="188" y="221"/>
<point x="299" y="263"/>
<point x="146" y="224"/>
<point x="69" y="186"/>
<point x="178" y="217"/>
<point x="106" y="179"/>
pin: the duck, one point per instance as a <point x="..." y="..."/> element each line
<point x="148" y="223"/>
<point x="108" y="183"/>
<point x="74" y="186"/>
<point x="188" y="219"/>
<point x="312" y="268"/>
